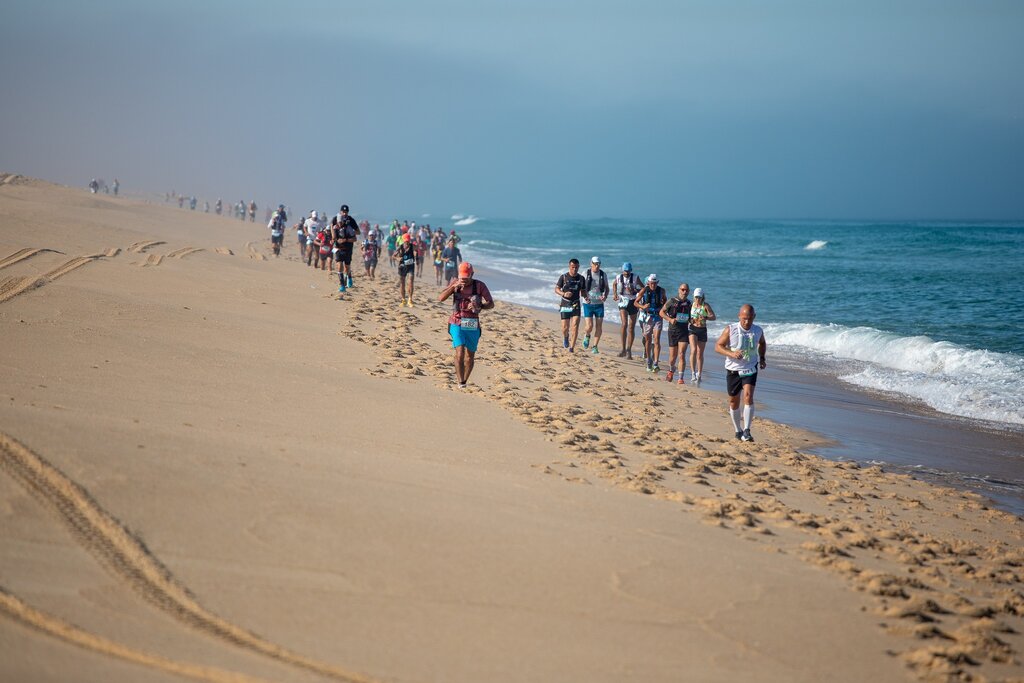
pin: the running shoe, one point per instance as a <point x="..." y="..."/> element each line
<point x="629" y="355"/>
<point x="341" y="289"/>
<point x="410" y="303"/>
<point x="402" y="305"/>
<point x="649" y="368"/>
<point x="698" y="379"/>
<point x="565" y="343"/>
<point x="594" y="350"/>
<point x="681" y="381"/>
<point x="739" y="435"/>
<point x="746" y="436"/>
<point x="656" y="368"/>
<point x="350" y="282"/>
<point x="622" y="354"/>
<point x="668" y="376"/>
<point x="586" y="340"/>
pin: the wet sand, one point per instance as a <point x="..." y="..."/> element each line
<point x="213" y="467"/>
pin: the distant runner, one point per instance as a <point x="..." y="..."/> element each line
<point x="470" y="297"/>
<point x="406" y="257"/>
<point x="569" y="287"/>
<point x="738" y="344"/>
<point x="650" y="300"/>
<point x="595" y="292"/>
<point x="452" y="257"/>
<point x="625" y="287"/>
<point x="700" y="313"/>
<point x="371" y="254"/>
<point x="345" y="238"/>
<point x="677" y="312"/>
<point x="277" y="225"/>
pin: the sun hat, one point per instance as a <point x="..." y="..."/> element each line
<point x="465" y="270"/>
<point x="627" y="267"/>
<point x="698" y="293"/>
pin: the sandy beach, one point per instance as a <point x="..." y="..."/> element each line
<point x="214" y="468"/>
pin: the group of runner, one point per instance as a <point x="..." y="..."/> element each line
<point x="646" y="302"/>
<point x="322" y="243"/>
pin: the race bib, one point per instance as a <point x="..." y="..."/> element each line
<point x="470" y="324"/>
<point x="566" y="309"/>
<point x="276" y="233"/>
<point x="682" y="317"/>
<point x="407" y="261"/>
<point x="623" y="302"/>
<point x="747" y="373"/>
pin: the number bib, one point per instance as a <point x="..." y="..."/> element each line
<point x="747" y="373"/>
<point x="682" y="317"/>
<point x="470" y="324"/>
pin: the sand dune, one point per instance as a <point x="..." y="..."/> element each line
<point x="304" y="467"/>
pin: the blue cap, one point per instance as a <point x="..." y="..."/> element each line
<point x="627" y="267"/>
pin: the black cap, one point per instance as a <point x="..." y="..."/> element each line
<point x="344" y="207"/>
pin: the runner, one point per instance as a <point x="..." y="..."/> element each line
<point x="420" y="247"/>
<point x="219" y="206"/>
<point x="392" y="243"/>
<point x="276" y="226"/>
<point x="677" y="311"/>
<point x="625" y="287"/>
<point x="371" y="252"/>
<point x="252" y="211"/>
<point x="310" y="229"/>
<point x="435" y="251"/>
<point x="406" y="257"/>
<point x="700" y="313"/>
<point x="346" y="233"/>
<point x="649" y="301"/>
<point x="452" y="257"/>
<point x="595" y="292"/>
<point x="322" y="245"/>
<point x="470" y="297"/>
<point x="738" y="343"/>
<point x="568" y="287"/>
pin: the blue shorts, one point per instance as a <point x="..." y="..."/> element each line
<point x="461" y="337"/>
<point x="595" y="310"/>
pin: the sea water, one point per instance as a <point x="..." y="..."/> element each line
<point x="929" y="312"/>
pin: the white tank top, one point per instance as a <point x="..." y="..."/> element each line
<point x="746" y="341"/>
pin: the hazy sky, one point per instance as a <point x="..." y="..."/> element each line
<point x="817" y="108"/>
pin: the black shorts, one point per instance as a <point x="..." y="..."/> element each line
<point x="678" y="334"/>
<point x="734" y="383"/>
<point x="344" y="256"/>
<point x="407" y="270"/>
<point x="276" y="239"/>
<point x="701" y="333"/>
<point x="574" y="313"/>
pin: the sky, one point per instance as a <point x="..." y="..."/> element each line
<point x="670" y="109"/>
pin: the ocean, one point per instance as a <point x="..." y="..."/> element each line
<point x="927" y="313"/>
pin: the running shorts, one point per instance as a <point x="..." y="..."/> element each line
<point x="678" y="334"/>
<point x="701" y="333"/>
<point x="461" y="337"/>
<point x="277" y="239"/>
<point x="344" y="256"/>
<point x="651" y="326"/>
<point x="566" y="312"/>
<point x="407" y="270"/>
<point x="595" y="310"/>
<point x="734" y="383"/>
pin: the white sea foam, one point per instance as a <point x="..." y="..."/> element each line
<point x="457" y="216"/>
<point x="815" y="245"/>
<point x="468" y="220"/>
<point x="947" y="377"/>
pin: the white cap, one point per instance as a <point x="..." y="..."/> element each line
<point x="698" y="293"/>
<point x="595" y="259"/>
<point x="653" y="277"/>
<point x="313" y="214"/>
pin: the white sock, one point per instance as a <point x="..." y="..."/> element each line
<point x="748" y="416"/>
<point x="734" y="415"/>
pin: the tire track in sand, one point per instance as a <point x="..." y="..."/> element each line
<point x="25" y="614"/>
<point x="20" y="255"/>
<point x="139" y="247"/>
<point x="13" y="286"/>
<point x="183" y="252"/>
<point x="252" y="253"/>
<point x="114" y="546"/>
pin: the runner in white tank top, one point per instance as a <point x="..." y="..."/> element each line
<point x="744" y="348"/>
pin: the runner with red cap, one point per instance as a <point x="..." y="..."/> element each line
<point x="470" y="296"/>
